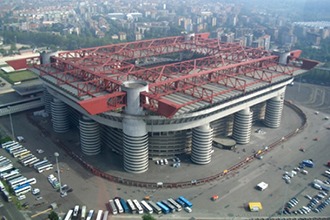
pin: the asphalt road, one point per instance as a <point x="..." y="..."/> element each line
<point x="235" y="191"/>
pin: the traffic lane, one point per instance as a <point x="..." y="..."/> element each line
<point x="9" y="210"/>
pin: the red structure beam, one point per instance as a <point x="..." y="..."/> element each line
<point x="104" y="103"/>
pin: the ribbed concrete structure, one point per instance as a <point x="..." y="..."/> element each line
<point x="59" y="112"/>
<point x="274" y="110"/>
<point x="90" y="139"/>
<point x="48" y="98"/>
<point x="242" y="126"/>
<point x="202" y="144"/>
<point x="175" y="143"/>
<point x="135" y="139"/>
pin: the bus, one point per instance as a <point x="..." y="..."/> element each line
<point x="6" y="168"/>
<point x="105" y="215"/>
<point x="15" y="176"/>
<point x="118" y="205"/>
<point x="83" y="212"/>
<point x="90" y="215"/>
<point x="124" y="205"/>
<point x="6" y="144"/>
<point x="21" y="153"/>
<point x="99" y="215"/>
<point x="169" y="205"/>
<point x="33" y="162"/>
<point x="131" y="206"/>
<point x="146" y="207"/>
<point x="12" y="148"/>
<point x="5" y="163"/>
<point x="30" y="181"/>
<point x="45" y="167"/>
<point x="113" y="208"/>
<point x="26" y="162"/>
<point x="7" y="196"/>
<point x="17" y="180"/>
<point x="175" y="204"/>
<point x="5" y="176"/>
<point x="155" y="207"/>
<point x="40" y="163"/>
<point x="18" y="149"/>
<point x="185" y="201"/>
<point x="69" y="215"/>
<point x="2" y="158"/>
<point x="29" y="156"/>
<point x="163" y="207"/>
<point x="20" y="190"/>
<point x="138" y="206"/>
<point x="2" y="187"/>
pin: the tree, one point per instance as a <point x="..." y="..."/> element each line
<point x="148" y="217"/>
<point x="53" y="216"/>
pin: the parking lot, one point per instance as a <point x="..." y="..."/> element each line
<point x="234" y="191"/>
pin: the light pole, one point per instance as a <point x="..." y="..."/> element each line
<point x="11" y="123"/>
<point x="58" y="171"/>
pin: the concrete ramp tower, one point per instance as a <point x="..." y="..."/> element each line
<point x="90" y="138"/>
<point x="242" y="126"/>
<point x="274" y="110"/>
<point x="59" y="112"/>
<point x="202" y="144"/>
<point x="135" y="138"/>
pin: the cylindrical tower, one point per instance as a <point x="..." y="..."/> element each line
<point x="242" y="126"/>
<point x="202" y="138"/>
<point x="274" y="112"/>
<point x="47" y="100"/>
<point x="135" y="139"/>
<point x="59" y="114"/>
<point x="90" y="138"/>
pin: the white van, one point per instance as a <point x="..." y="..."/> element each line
<point x="75" y="211"/>
<point x="317" y="186"/>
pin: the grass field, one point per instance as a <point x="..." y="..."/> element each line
<point x="18" y="76"/>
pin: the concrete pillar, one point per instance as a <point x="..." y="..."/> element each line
<point x="202" y="138"/>
<point x="47" y="100"/>
<point x="242" y="126"/>
<point x="135" y="138"/>
<point x="90" y="138"/>
<point x="59" y="112"/>
<point x="274" y="110"/>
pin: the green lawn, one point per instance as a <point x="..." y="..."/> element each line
<point x="18" y="76"/>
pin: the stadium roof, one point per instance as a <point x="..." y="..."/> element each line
<point x="185" y="73"/>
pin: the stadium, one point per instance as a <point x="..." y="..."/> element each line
<point x="164" y="97"/>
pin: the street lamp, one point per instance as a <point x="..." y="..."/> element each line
<point x="58" y="171"/>
<point x="11" y="123"/>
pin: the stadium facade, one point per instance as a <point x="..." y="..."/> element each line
<point x="167" y="96"/>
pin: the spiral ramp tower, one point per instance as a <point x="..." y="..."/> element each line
<point x="90" y="138"/>
<point x="59" y="112"/>
<point x="135" y="134"/>
<point x="48" y="100"/>
<point x="202" y="144"/>
<point x="274" y="110"/>
<point x="242" y="126"/>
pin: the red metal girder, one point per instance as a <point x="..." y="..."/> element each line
<point x="160" y="106"/>
<point x="160" y="87"/>
<point x="227" y="80"/>
<point x="104" y="103"/>
<point x="173" y="70"/>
